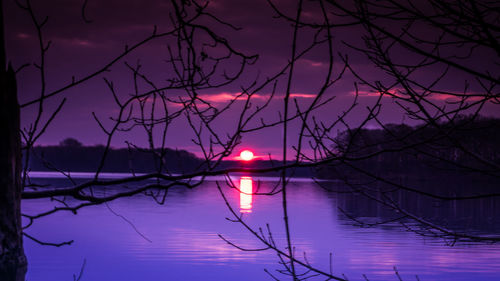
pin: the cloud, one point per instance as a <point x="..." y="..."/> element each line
<point x="227" y="96"/>
<point x="455" y="97"/>
<point x="221" y="98"/>
<point x="313" y="63"/>
<point x="224" y="97"/>
<point x="447" y="96"/>
<point x="302" y="95"/>
<point x="77" y="42"/>
<point x="371" y="93"/>
<point x="22" y="35"/>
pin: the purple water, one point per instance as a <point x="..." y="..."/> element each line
<point x="184" y="244"/>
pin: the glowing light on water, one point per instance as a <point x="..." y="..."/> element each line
<point x="246" y="194"/>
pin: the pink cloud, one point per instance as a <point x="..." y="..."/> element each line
<point x="302" y="95"/>
<point x="454" y="98"/>
<point x="367" y="93"/>
<point x="222" y="97"/>
<point x="313" y="63"/>
<point x="226" y="96"/>
<point x="23" y="36"/>
<point x="397" y="92"/>
<point x="76" y="42"/>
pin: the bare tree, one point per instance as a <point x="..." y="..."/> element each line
<point x="401" y="40"/>
<point x="196" y="56"/>
<point x="446" y="41"/>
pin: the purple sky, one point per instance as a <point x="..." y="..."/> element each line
<point x="78" y="48"/>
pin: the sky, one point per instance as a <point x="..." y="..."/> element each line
<point x="79" y="45"/>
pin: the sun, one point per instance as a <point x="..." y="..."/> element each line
<point x="246" y="155"/>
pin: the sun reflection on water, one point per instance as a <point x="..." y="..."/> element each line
<point x="246" y="194"/>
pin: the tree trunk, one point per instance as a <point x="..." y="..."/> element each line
<point x="12" y="259"/>
<point x="13" y="262"/>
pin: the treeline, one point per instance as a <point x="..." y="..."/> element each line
<point x="466" y="145"/>
<point x="269" y="164"/>
<point x="71" y="155"/>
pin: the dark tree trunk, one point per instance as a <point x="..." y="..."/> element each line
<point x="12" y="259"/>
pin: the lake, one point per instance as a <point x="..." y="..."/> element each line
<point x="138" y="239"/>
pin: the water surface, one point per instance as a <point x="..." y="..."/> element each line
<point x="137" y="239"/>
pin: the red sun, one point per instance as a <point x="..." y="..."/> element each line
<point x="246" y="155"/>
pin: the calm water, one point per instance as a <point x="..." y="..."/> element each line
<point x="181" y="239"/>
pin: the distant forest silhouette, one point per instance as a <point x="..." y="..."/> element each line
<point x="399" y="149"/>
<point x="72" y="155"/>
<point x="393" y="150"/>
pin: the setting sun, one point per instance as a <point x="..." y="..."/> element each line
<point x="246" y="155"/>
